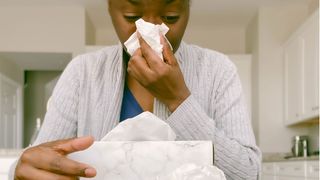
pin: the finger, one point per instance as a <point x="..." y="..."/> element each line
<point x="153" y="60"/>
<point x="29" y="172"/>
<point x="139" y="69"/>
<point x="63" y="165"/>
<point x="138" y="59"/>
<point x="72" y="145"/>
<point x="55" y="162"/>
<point x="167" y="53"/>
<point x="51" y="156"/>
<point x="137" y="53"/>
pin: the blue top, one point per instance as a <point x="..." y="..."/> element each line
<point x="130" y="107"/>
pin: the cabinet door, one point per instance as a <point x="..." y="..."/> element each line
<point x="289" y="178"/>
<point x="291" y="169"/>
<point x="311" y="69"/>
<point x="268" y="171"/>
<point x="293" y="80"/>
<point x="302" y="73"/>
<point x="268" y="177"/>
<point x="313" y="170"/>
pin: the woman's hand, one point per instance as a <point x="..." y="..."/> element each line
<point x="163" y="79"/>
<point x="49" y="161"/>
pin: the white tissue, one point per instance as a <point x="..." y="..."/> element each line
<point x="144" y="127"/>
<point x="194" y="172"/>
<point x="151" y="34"/>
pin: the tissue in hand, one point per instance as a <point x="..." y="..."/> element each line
<point x="150" y="33"/>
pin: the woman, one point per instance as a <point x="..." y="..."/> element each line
<point x="196" y="91"/>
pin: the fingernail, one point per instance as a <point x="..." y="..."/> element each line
<point x="90" y="172"/>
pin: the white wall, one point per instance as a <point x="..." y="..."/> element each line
<point x="106" y="36"/>
<point x="313" y="6"/>
<point x="90" y="31"/>
<point x="229" y="39"/>
<point x="252" y="47"/>
<point x="313" y="132"/>
<point x="11" y="70"/>
<point x="274" y="25"/>
<point x="42" y="29"/>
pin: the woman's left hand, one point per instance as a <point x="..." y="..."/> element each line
<point x="163" y="79"/>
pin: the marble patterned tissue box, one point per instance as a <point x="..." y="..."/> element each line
<point x="143" y="160"/>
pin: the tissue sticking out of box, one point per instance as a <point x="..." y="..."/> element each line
<point x="143" y="148"/>
<point x="144" y="127"/>
<point x="194" y="172"/>
<point x="151" y="34"/>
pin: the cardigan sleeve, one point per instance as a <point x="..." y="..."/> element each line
<point x="235" y="151"/>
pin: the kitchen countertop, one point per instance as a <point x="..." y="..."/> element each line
<point x="281" y="157"/>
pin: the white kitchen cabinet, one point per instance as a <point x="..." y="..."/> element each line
<point x="312" y="170"/>
<point x="311" y="69"/>
<point x="268" y="177"/>
<point x="268" y="171"/>
<point x="288" y="178"/>
<point x="301" y="61"/>
<point x="293" y="80"/>
<point x="290" y="170"/>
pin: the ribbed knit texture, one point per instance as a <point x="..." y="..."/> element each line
<point x="88" y="96"/>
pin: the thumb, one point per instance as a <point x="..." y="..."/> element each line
<point x="72" y="145"/>
<point x="137" y="53"/>
<point x="167" y="53"/>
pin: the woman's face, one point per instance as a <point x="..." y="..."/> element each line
<point x="174" y="13"/>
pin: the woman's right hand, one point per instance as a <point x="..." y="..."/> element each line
<point x="49" y="161"/>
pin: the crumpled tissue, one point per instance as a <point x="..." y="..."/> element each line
<point x="144" y="127"/>
<point x="151" y="34"/>
<point x="194" y="172"/>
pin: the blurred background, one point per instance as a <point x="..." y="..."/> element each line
<point x="274" y="44"/>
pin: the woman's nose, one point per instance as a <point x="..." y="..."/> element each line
<point x="153" y="20"/>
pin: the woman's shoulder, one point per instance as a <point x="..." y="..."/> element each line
<point x="95" y="59"/>
<point x="98" y="55"/>
<point x="208" y="57"/>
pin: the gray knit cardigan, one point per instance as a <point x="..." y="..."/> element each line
<point x="87" y="101"/>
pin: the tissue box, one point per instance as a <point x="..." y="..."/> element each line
<point x="143" y="160"/>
